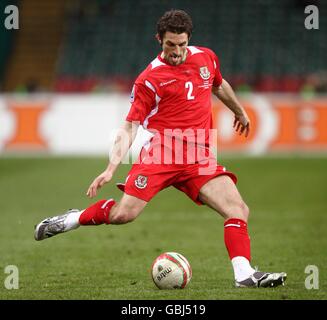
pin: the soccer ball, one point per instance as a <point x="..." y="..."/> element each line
<point x="171" y="270"/>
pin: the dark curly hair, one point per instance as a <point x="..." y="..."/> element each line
<point x="176" y="21"/>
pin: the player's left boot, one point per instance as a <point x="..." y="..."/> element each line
<point x="51" y="226"/>
<point x="263" y="279"/>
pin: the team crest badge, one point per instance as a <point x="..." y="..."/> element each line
<point x="204" y="73"/>
<point x="141" y="181"/>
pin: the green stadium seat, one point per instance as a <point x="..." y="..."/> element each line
<point x="258" y="40"/>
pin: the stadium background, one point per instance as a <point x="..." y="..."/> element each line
<point x="65" y="79"/>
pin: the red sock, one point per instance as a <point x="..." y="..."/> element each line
<point x="236" y="238"/>
<point x="97" y="214"/>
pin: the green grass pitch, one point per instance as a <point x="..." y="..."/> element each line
<point x="288" y="229"/>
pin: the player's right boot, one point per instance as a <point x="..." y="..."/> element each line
<point x="262" y="279"/>
<point x="51" y="226"/>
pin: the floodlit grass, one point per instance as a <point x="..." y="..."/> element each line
<point x="288" y="228"/>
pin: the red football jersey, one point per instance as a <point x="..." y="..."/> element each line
<point x="177" y="97"/>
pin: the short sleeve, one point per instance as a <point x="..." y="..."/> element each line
<point x="142" y="101"/>
<point x="218" y="79"/>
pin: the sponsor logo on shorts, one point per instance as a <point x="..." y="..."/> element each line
<point x="141" y="181"/>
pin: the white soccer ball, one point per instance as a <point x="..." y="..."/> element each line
<point x="171" y="270"/>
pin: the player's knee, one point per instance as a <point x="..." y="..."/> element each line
<point x="121" y="219"/>
<point x="238" y="211"/>
<point x="245" y="211"/>
<point x="124" y="215"/>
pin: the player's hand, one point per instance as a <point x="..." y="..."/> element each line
<point x="242" y="124"/>
<point x="98" y="182"/>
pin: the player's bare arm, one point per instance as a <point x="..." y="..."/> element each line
<point x="124" y="139"/>
<point x="227" y="95"/>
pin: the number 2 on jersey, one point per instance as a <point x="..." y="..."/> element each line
<point x="189" y="86"/>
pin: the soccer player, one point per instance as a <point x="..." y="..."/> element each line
<point x="171" y="99"/>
